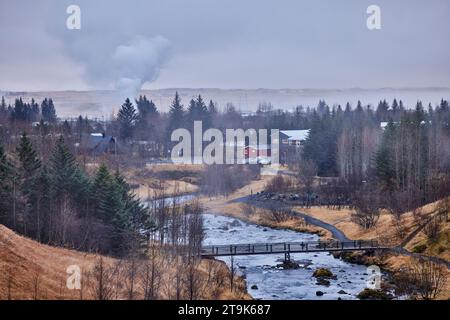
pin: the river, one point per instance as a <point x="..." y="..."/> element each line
<point x="276" y="283"/>
<point x="181" y="199"/>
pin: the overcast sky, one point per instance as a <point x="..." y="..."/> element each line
<point x="225" y="44"/>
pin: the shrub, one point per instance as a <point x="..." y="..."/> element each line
<point x="420" y="248"/>
<point x="432" y="229"/>
<point x="372" y="294"/>
<point x="279" y="184"/>
<point x="323" y="273"/>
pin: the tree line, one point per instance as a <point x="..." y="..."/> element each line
<point x="406" y="159"/>
<point x="58" y="203"/>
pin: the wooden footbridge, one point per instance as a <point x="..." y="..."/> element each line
<point x="287" y="248"/>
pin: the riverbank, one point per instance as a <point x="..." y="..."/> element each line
<point x="337" y="224"/>
<point x="404" y="242"/>
<point x="35" y="271"/>
<point x="233" y="206"/>
<point x="266" y="276"/>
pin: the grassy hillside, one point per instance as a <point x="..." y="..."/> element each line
<point x="30" y="270"/>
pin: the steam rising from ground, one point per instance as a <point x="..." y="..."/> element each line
<point x="116" y="47"/>
<point x="138" y="62"/>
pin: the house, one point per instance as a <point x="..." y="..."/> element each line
<point x="294" y="137"/>
<point x="100" y="143"/>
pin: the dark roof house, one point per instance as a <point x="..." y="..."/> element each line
<point x="100" y="143"/>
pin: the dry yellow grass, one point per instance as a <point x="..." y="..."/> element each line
<point x="155" y="187"/>
<point x="439" y="248"/>
<point x="385" y="230"/>
<point x="27" y="267"/>
<point x="149" y="185"/>
<point x="397" y="263"/>
<point x="175" y="167"/>
<point x="23" y="260"/>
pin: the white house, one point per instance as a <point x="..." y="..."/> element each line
<point x="294" y="137"/>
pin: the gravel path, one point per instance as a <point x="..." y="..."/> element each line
<point x="270" y="204"/>
<point x="337" y="234"/>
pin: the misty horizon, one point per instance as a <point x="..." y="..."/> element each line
<point x="250" y="45"/>
<point x="102" y="103"/>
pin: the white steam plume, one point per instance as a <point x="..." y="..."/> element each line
<point x="138" y="62"/>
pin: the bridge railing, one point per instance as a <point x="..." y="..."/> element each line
<point x="287" y="247"/>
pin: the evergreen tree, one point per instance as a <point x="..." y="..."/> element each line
<point x="3" y="110"/>
<point x="66" y="128"/>
<point x="40" y="206"/>
<point x="384" y="162"/>
<point x="117" y="207"/>
<point x="176" y="116"/>
<point x="6" y="189"/>
<point x="35" y="110"/>
<point x="198" y="111"/>
<point x="134" y="217"/>
<point x="348" y="108"/>
<point x="321" y="145"/>
<point x="63" y="169"/>
<point x="382" y="111"/>
<point x="127" y="118"/>
<point x="395" y="108"/>
<point x="28" y="157"/>
<point x="176" y="113"/>
<point x="19" y="112"/>
<point x="3" y="105"/>
<point x="443" y="106"/>
<point x="148" y="115"/>
<point x="28" y="170"/>
<point x="80" y="192"/>
<point x="79" y="127"/>
<point x="136" y="214"/>
<point x="100" y="188"/>
<point x="145" y="107"/>
<point x="48" y="111"/>
<point x="212" y="108"/>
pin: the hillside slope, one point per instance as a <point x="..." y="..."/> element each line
<point x="30" y="270"/>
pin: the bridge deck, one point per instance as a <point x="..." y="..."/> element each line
<point x="287" y="248"/>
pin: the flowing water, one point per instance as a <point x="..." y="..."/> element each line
<point x="267" y="281"/>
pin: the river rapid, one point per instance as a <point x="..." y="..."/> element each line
<point x="267" y="281"/>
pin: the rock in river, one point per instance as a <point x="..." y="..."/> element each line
<point x="323" y="282"/>
<point x="324" y="273"/>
